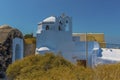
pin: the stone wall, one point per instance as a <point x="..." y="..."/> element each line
<point x="30" y="45"/>
<point x="29" y="49"/>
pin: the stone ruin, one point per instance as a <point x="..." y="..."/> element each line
<point x="11" y="46"/>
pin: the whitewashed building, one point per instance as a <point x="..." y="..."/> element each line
<point x="54" y="34"/>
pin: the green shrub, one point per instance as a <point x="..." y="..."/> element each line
<point x="28" y="35"/>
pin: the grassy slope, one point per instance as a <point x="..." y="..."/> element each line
<point x="51" y="67"/>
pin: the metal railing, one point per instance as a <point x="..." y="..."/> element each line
<point x="111" y="45"/>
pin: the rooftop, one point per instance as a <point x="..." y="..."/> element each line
<point x="50" y="19"/>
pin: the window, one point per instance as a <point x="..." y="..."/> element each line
<point x="60" y="22"/>
<point x="66" y="21"/>
<point x="47" y="27"/>
<point x="59" y="28"/>
<point x="67" y="26"/>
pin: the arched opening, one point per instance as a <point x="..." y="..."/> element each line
<point x="67" y="26"/>
<point x="59" y="28"/>
<point x="17" y="52"/>
<point x="47" y="27"/>
<point x="60" y="22"/>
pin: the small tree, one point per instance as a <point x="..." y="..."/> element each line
<point x="28" y="35"/>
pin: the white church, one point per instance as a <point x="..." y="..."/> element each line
<point x="54" y="34"/>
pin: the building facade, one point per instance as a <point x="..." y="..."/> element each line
<point x="54" y="34"/>
<point x="98" y="37"/>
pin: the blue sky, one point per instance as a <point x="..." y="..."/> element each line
<point x="101" y="16"/>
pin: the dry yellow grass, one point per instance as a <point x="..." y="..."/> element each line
<point x="30" y="40"/>
<point x="107" y="72"/>
<point x="51" y="67"/>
